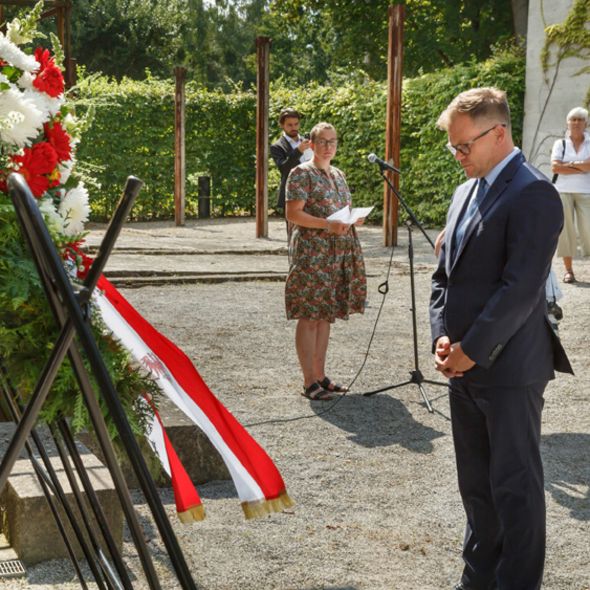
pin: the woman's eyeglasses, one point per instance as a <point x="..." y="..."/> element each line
<point x="326" y="142"/>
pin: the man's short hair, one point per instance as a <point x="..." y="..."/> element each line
<point x="578" y="113"/>
<point x="477" y="103"/>
<point x="289" y="112"/>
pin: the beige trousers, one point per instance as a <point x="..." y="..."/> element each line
<point x="578" y="204"/>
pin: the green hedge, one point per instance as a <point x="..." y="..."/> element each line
<point x="133" y="133"/>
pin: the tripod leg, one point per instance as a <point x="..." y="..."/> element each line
<point x="425" y="398"/>
<point x="369" y="393"/>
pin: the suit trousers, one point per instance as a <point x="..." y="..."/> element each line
<point x="575" y="205"/>
<point x="496" y="433"/>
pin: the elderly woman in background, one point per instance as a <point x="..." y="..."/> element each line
<point x="570" y="160"/>
<point x="327" y="274"/>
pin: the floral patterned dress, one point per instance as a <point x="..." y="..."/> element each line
<point x="327" y="275"/>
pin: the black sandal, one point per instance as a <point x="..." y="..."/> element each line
<point x="316" y="392"/>
<point x="329" y="385"/>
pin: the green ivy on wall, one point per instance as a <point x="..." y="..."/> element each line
<point x="571" y="38"/>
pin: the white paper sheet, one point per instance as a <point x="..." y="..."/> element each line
<point x="350" y="216"/>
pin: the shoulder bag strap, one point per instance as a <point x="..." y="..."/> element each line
<point x="555" y="176"/>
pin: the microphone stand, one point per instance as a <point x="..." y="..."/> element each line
<point x="416" y="376"/>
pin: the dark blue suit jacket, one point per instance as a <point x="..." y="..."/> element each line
<point x="286" y="158"/>
<point x="491" y="295"/>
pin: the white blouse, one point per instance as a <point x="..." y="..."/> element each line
<point x="572" y="183"/>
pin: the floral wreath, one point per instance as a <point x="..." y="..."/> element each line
<point x="38" y="129"/>
<point x="39" y="133"/>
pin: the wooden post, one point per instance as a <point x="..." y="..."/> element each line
<point x="70" y="62"/>
<point x="179" y="152"/>
<point x="262" y="82"/>
<point x="60" y="24"/>
<point x="393" y="120"/>
<point x="62" y="11"/>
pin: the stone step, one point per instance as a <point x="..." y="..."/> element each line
<point x="125" y="273"/>
<point x="126" y="280"/>
<point x="119" y="250"/>
<point x="27" y="520"/>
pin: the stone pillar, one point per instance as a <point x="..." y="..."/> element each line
<point x="549" y="95"/>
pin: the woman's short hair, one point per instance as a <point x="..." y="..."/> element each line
<point x="317" y="129"/>
<point x="577" y="113"/>
<point x="478" y="103"/>
<point x="288" y="112"/>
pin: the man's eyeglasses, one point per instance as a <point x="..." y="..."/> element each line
<point x="465" y="148"/>
<point x="327" y="142"/>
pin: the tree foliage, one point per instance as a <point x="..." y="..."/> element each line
<point x="126" y="37"/>
<point x="437" y="33"/>
<point x="311" y="39"/>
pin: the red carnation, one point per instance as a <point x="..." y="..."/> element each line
<point x="35" y="164"/>
<point x="49" y="79"/>
<point x="59" y="139"/>
<point x="43" y="57"/>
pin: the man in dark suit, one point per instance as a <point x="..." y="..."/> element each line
<point x="492" y="339"/>
<point x="290" y="150"/>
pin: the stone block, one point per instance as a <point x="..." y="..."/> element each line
<point x="27" y="521"/>
<point x="200" y="458"/>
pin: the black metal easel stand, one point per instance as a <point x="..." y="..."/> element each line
<point x="71" y="311"/>
<point x="416" y="376"/>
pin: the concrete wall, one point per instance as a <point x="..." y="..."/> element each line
<point x="569" y="90"/>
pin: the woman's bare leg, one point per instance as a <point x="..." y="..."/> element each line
<point x="321" y="348"/>
<point x="306" y="335"/>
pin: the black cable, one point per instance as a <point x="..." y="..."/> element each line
<point x="383" y="289"/>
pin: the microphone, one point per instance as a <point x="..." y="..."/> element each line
<point x="382" y="163"/>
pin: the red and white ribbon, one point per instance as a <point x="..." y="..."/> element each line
<point x="258" y="482"/>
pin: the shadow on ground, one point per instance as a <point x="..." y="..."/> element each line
<point x="567" y="471"/>
<point x="378" y="421"/>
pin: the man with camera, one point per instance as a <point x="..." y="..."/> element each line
<point x="290" y="150"/>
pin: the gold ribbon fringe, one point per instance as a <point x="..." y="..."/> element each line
<point x="261" y="508"/>
<point x="193" y="514"/>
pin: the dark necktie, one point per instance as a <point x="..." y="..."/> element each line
<point x="469" y="213"/>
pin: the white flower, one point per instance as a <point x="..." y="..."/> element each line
<point x="10" y="53"/>
<point x="14" y="32"/>
<point x="49" y="107"/>
<point x="25" y="118"/>
<point x="65" y="169"/>
<point x="26" y="81"/>
<point x="73" y="127"/>
<point x="53" y="219"/>
<point x="74" y="209"/>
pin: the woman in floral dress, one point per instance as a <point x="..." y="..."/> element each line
<point x="327" y="275"/>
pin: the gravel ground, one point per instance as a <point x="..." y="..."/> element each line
<point x="373" y="478"/>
